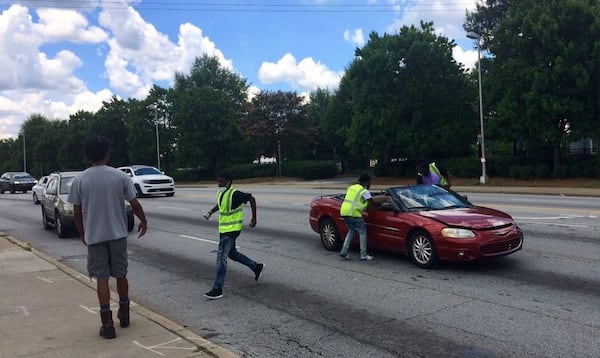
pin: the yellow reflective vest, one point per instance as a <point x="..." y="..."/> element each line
<point x="434" y="169"/>
<point x="229" y="220"/>
<point x="354" y="203"/>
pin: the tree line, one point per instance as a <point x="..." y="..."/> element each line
<point x="403" y="97"/>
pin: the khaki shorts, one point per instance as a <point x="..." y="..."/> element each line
<point x="108" y="258"/>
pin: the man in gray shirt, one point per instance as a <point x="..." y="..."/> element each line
<point x="98" y="196"/>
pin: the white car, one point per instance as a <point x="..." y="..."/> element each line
<point x="148" y="180"/>
<point x="38" y="189"/>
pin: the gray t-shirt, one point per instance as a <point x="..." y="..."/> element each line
<point x="101" y="192"/>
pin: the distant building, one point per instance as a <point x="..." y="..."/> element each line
<point x="265" y="160"/>
<point x="583" y="147"/>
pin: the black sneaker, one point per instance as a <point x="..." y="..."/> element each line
<point x="258" y="270"/>
<point x="214" y="294"/>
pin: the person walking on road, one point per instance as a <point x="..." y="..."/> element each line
<point x="231" y="218"/>
<point x="98" y="196"/>
<point x="355" y="201"/>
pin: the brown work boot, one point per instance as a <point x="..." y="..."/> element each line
<point x="123" y="314"/>
<point x="108" y="329"/>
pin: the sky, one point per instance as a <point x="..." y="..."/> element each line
<point x="59" y="57"/>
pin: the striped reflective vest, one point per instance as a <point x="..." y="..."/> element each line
<point x="229" y="220"/>
<point x="354" y="203"/>
<point x="434" y="169"/>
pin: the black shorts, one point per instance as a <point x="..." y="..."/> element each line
<point x="108" y="258"/>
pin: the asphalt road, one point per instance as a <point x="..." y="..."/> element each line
<point x="540" y="302"/>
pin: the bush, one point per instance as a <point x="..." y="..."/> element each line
<point x="310" y="169"/>
<point x="560" y="172"/>
<point x="542" y="171"/>
<point x="190" y="174"/>
<point x="243" y="171"/>
<point x="465" y="167"/>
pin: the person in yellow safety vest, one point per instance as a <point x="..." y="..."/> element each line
<point x="355" y="201"/>
<point x="231" y="218"/>
<point x="433" y="174"/>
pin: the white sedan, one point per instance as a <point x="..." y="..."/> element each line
<point x="38" y="189"/>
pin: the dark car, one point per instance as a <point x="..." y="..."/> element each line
<point x="57" y="212"/>
<point x="16" y="181"/>
<point x="426" y="222"/>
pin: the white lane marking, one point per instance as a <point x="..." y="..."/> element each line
<point x="554" y="217"/>
<point x="23" y="310"/>
<point x="200" y="239"/>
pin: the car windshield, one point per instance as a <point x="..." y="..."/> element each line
<point x="22" y="176"/>
<point x="65" y="184"/>
<point x="146" y="171"/>
<point x="428" y="197"/>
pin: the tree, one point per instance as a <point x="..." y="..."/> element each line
<point x="408" y="97"/>
<point x="109" y="121"/>
<point x="545" y="71"/>
<point x="279" y="121"/>
<point x="207" y="105"/>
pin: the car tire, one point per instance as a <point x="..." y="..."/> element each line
<point x="47" y="225"/>
<point x="138" y="191"/>
<point x="12" y="189"/>
<point x="422" y="250"/>
<point x="61" y="230"/>
<point x="330" y="237"/>
<point x="169" y="194"/>
<point x="35" y="198"/>
<point x="130" y="223"/>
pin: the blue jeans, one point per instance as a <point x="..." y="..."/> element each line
<point x="227" y="249"/>
<point x="355" y="225"/>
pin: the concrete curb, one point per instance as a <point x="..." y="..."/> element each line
<point x="204" y="346"/>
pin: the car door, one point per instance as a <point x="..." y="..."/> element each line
<point x="49" y="198"/>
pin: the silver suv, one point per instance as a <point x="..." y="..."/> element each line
<point x="57" y="212"/>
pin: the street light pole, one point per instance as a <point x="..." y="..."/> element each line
<point x="24" y="153"/>
<point x="477" y="37"/>
<point x="157" y="141"/>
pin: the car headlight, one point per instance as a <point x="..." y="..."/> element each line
<point x="68" y="208"/>
<point x="456" y="233"/>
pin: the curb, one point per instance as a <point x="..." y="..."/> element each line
<point x="204" y="346"/>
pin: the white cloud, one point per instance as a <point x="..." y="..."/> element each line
<point x="306" y="75"/>
<point x="140" y="55"/>
<point x="67" y="25"/>
<point x="467" y="58"/>
<point x="356" y="38"/>
<point x="32" y="81"/>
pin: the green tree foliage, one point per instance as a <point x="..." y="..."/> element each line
<point x="545" y="73"/>
<point x="207" y="129"/>
<point x="407" y="97"/>
<point x="109" y="121"/>
<point x="328" y="141"/>
<point x="11" y="161"/>
<point x="279" y="120"/>
<point x="207" y="105"/>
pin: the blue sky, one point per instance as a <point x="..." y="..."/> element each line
<point x="58" y="57"/>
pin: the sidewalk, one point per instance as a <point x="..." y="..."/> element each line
<point x="50" y="310"/>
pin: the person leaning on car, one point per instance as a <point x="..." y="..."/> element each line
<point x="98" y="196"/>
<point x="355" y="201"/>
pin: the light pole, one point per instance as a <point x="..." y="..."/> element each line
<point x="475" y="36"/>
<point x="157" y="140"/>
<point x="24" y="153"/>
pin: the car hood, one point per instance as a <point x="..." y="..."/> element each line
<point x="153" y="177"/>
<point x="476" y="217"/>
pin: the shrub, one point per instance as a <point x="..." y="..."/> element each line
<point x="560" y="172"/>
<point x="190" y="174"/>
<point x="310" y="169"/>
<point x="542" y="171"/>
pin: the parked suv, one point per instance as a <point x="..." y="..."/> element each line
<point x="16" y="181"/>
<point x="149" y="180"/>
<point x="57" y="212"/>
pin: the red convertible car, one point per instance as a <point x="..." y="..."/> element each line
<point x="426" y="222"/>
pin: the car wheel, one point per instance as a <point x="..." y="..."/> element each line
<point x="12" y="189"/>
<point x="138" y="191"/>
<point x="47" y="225"/>
<point x="170" y="194"/>
<point x="130" y="223"/>
<point x="60" y="226"/>
<point x="422" y="250"/>
<point x="329" y="235"/>
<point x="35" y="198"/>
